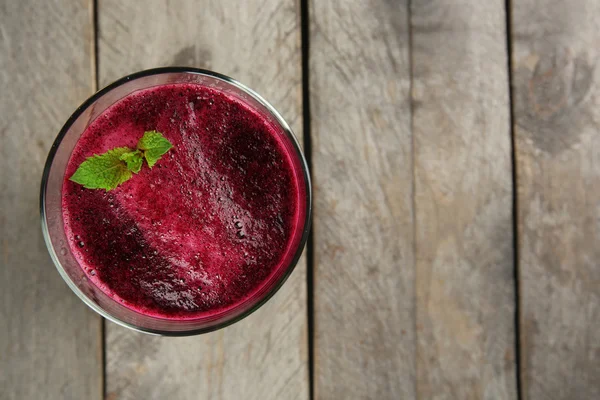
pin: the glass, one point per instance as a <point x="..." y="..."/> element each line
<point x="51" y="212"/>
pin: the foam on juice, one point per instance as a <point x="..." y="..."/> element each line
<point x="207" y="225"/>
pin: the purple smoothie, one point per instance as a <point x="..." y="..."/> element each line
<point x="216" y="218"/>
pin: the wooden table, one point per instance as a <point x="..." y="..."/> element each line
<point x="455" y="154"/>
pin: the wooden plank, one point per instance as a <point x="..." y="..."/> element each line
<point x="363" y="225"/>
<point x="463" y="204"/>
<point x="257" y="42"/>
<point x="50" y="342"/>
<point x="557" y="109"/>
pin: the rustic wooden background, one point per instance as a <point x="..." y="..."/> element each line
<point x="456" y="163"/>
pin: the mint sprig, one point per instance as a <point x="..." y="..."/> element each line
<point x="109" y="170"/>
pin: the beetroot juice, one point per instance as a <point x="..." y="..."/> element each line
<point x="206" y="227"/>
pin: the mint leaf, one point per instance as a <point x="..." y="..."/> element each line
<point x="154" y="145"/>
<point x="105" y="171"/>
<point x="109" y="170"/>
<point x="134" y="160"/>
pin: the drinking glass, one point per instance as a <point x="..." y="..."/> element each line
<point x="51" y="210"/>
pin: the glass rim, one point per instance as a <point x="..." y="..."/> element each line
<point x="194" y="71"/>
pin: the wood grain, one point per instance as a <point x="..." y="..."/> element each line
<point x="258" y="43"/>
<point x="557" y="114"/>
<point x="50" y="342"/>
<point x="463" y="201"/>
<point x="363" y="225"/>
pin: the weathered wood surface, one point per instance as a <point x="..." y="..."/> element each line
<point x="50" y="342"/>
<point x="557" y="115"/>
<point x="463" y="201"/>
<point x="363" y="223"/>
<point x="258" y="43"/>
<point x="414" y="291"/>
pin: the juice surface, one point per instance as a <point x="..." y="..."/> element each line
<point x="204" y="228"/>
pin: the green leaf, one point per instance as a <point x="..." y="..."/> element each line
<point x="154" y="145"/>
<point x="109" y="170"/>
<point x="105" y="171"/>
<point x="134" y="160"/>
